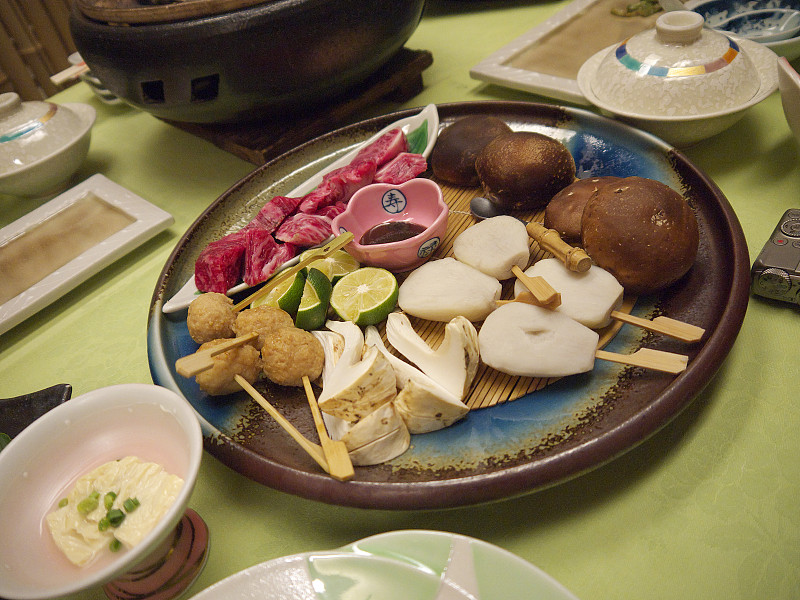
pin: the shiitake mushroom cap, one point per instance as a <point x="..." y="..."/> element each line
<point x="642" y="231"/>
<point x="523" y="170"/>
<point x="458" y="145"/>
<point x="564" y="211"/>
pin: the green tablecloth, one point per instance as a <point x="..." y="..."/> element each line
<point x="707" y="508"/>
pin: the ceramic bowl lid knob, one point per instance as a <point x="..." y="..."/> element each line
<point x="677" y="68"/>
<point x="9" y="102"/>
<point x="679" y="27"/>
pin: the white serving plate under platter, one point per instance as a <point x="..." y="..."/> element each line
<point x="548" y="436"/>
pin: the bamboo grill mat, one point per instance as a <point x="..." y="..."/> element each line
<point x="491" y="387"/>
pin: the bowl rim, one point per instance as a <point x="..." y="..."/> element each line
<point x="86" y="114"/>
<point x="114" y="396"/>
<point x="762" y="56"/>
<point x="444" y="210"/>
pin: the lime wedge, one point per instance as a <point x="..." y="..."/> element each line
<point x="286" y="295"/>
<point x="313" y="309"/>
<point x="365" y="296"/>
<point x="335" y="266"/>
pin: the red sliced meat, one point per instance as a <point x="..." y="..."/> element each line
<point x="353" y="177"/>
<point x="274" y="212"/>
<point x="261" y="248"/>
<point x="332" y="210"/>
<point x="219" y="266"/>
<point x="305" y="230"/>
<point x="329" y="191"/>
<point x="403" y="167"/>
<point x="384" y="149"/>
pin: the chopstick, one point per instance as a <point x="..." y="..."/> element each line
<point x="575" y="259"/>
<point x="542" y="292"/>
<point x="339" y="464"/>
<point x="69" y="73"/>
<point x="313" y="450"/>
<point x="315" y="254"/>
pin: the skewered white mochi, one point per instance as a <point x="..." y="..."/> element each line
<point x="587" y="297"/>
<point x="493" y="246"/>
<point x="441" y="290"/>
<point x="531" y="341"/>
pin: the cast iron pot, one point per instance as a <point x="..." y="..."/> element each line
<point x="276" y="57"/>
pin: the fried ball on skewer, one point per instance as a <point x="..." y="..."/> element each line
<point x="210" y="317"/>
<point x="243" y="360"/>
<point x="289" y="353"/>
<point x="262" y="320"/>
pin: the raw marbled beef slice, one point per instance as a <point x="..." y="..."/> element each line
<point x="219" y="266"/>
<point x="305" y="230"/>
<point x="403" y="167"/>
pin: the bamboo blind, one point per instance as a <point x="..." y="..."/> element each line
<point x="34" y="44"/>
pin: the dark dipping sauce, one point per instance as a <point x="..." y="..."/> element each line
<point x="391" y="231"/>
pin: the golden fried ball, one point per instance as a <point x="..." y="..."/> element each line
<point x="243" y="360"/>
<point x="289" y="353"/>
<point x="263" y="320"/>
<point x="210" y="317"/>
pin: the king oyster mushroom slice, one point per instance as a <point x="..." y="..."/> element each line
<point x="357" y="385"/>
<point x="423" y="404"/>
<point x="494" y="246"/>
<point x="588" y="297"/>
<point x="442" y="289"/>
<point x="452" y="365"/>
<point x="527" y="340"/>
<point x="380" y="436"/>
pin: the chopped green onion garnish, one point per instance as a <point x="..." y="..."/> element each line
<point x="103" y="524"/>
<point x="115" y="545"/>
<point x="63" y="502"/>
<point x="108" y="500"/>
<point x="89" y="503"/>
<point x="130" y="504"/>
<point x="115" y="517"/>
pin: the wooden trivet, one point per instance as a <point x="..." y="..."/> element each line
<point x="260" y="141"/>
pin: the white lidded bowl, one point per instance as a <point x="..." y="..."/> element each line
<point x="42" y="144"/>
<point x="680" y="81"/>
<point x="43" y="462"/>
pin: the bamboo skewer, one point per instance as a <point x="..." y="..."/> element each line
<point x="657" y="360"/>
<point x="192" y="364"/>
<point x="313" y="450"/>
<point x="686" y="332"/>
<point x="339" y="465"/>
<point x="542" y="292"/>
<point x="664" y="325"/>
<point x="315" y="254"/>
<point x="574" y="258"/>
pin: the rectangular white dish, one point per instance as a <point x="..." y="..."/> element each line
<point x="545" y="60"/>
<point x="52" y="249"/>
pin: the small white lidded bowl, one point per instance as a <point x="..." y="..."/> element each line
<point x="42" y="463"/>
<point x="42" y="144"/>
<point x="789" y="84"/>
<point x="679" y="80"/>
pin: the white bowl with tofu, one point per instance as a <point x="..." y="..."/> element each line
<point x="42" y="472"/>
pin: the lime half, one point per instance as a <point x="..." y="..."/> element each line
<point x="335" y="266"/>
<point x="365" y="296"/>
<point x="313" y="309"/>
<point x="286" y="295"/>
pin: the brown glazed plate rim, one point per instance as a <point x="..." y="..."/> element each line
<point x="547" y="437"/>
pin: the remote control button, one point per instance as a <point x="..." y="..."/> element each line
<point x="780" y="241"/>
<point x="793" y="213"/>
<point x="791" y="227"/>
<point x="774" y="281"/>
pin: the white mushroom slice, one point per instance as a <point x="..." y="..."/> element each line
<point x="452" y="365"/>
<point x="385" y="448"/>
<point x="443" y="289"/>
<point x="356" y="386"/>
<point x="494" y="245"/>
<point x="587" y="297"/>
<point x="527" y="340"/>
<point x="423" y="404"/>
<point x="332" y="348"/>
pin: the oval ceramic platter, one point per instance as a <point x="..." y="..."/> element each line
<point x="426" y="565"/>
<point x="512" y="448"/>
